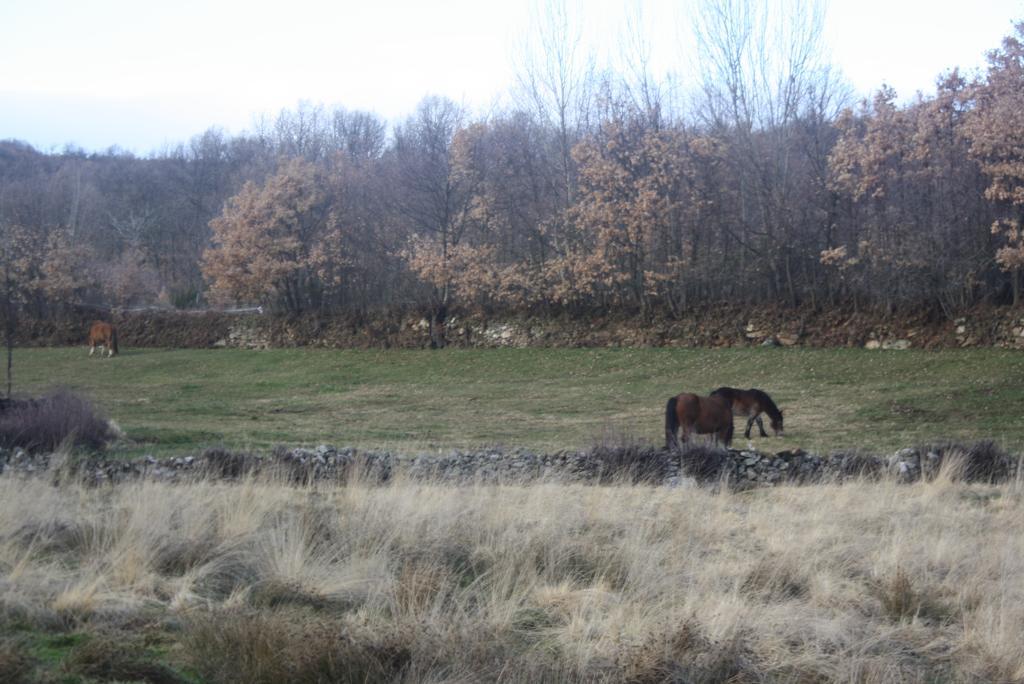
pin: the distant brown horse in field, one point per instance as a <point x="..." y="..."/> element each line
<point x="703" y="415"/>
<point x="105" y="335"/>
<point x="751" y="403"/>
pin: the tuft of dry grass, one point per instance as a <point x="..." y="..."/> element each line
<point x="902" y="599"/>
<point x="870" y="581"/>
<point x="272" y="647"/>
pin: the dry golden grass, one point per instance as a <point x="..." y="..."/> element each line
<point x="872" y="582"/>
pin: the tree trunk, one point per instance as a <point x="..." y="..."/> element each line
<point x="438" y="317"/>
<point x="8" y="326"/>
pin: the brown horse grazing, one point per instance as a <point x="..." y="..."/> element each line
<point x="703" y="415"/>
<point x="105" y="335"/>
<point x="751" y="404"/>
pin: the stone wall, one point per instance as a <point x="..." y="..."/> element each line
<point x="695" y="466"/>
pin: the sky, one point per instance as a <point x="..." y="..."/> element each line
<point x="147" y="74"/>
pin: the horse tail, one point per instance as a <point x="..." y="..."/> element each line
<point x="671" y="423"/>
<point x="113" y="339"/>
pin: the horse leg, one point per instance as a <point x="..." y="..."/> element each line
<point x="672" y="439"/>
<point x="726" y="435"/>
<point x="760" y="426"/>
<point x="750" y="422"/>
<point x="92" y="348"/>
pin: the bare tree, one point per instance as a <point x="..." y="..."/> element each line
<point x="433" y="198"/>
<point x="360" y="135"/>
<point x="556" y="76"/>
<point x="763" y="70"/>
<point x="645" y="93"/>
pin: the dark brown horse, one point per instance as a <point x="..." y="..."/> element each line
<point x="751" y="403"/>
<point x="703" y="415"/>
<point x="105" y="335"/>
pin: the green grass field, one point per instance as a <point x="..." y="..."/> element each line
<point x="174" y="401"/>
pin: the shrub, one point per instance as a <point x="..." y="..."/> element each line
<point x="620" y="456"/>
<point x="857" y="464"/>
<point x="636" y="463"/>
<point x="223" y="463"/>
<point x="703" y="462"/>
<point x="16" y="665"/>
<point x="185" y="298"/>
<point x="981" y="461"/>
<point x="55" y="420"/>
<point x="118" y="657"/>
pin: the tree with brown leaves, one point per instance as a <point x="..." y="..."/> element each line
<point x="628" y="206"/>
<point x="277" y="243"/>
<point x="996" y="128"/>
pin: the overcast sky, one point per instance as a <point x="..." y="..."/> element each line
<point x="142" y="74"/>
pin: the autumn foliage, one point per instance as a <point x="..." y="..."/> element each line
<point x="276" y="242"/>
<point x="605" y="200"/>
<point x="996" y="128"/>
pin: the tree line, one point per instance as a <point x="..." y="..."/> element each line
<point x="589" y="193"/>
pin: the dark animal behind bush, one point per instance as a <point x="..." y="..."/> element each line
<point x="53" y="420"/>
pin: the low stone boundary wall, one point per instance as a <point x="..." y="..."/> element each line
<point x="712" y="326"/>
<point x="693" y="466"/>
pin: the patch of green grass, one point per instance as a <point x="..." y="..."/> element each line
<point x="177" y="400"/>
<point x="84" y="657"/>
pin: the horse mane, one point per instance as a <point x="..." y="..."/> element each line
<point x="727" y="393"/>
<point x="767" y="404"/>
